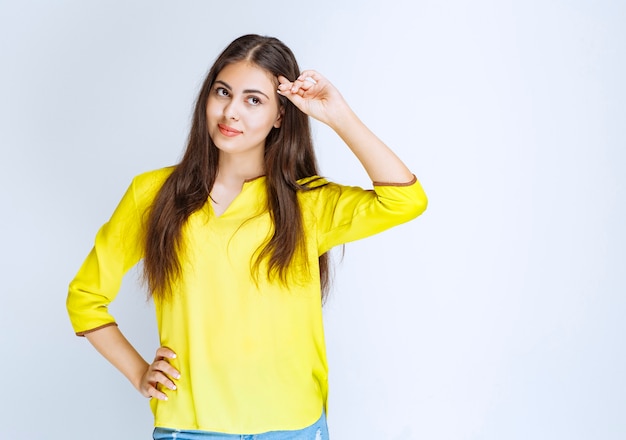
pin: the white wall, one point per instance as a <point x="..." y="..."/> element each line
<point x="499" y="314"/>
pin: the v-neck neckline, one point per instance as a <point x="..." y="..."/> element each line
<point x="236" y="200"/>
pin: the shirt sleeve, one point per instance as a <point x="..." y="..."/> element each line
<point x="347" y="213"/>
<point x="117" y="248"/>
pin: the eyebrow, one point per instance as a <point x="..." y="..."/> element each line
<point x="245" y="91"/>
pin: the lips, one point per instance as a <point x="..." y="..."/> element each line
<point x="228" y="131"/>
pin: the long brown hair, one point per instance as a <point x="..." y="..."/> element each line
<point x="289" y="156"/>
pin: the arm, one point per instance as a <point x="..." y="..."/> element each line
<point x="116" y="249"/>
<point x="111" y="343"/>
<point x="317" y="97"/>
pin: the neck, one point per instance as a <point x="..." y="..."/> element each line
<point x="234" y="169"/>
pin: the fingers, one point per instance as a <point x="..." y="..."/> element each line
<point x="160" y="373"/>
<point x="151" y="387"/>
<point x="164" y="352"/>
<point x="308" y="80"/>
<point x="285" y="89"/>
<point x="303" y="84"/>
<point x="311" y="76"/>
<point x="160" y="364"/>
<point x="314" y="96"/>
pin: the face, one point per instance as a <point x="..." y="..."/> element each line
<point x="242" y="109"/>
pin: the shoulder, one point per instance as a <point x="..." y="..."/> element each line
<point x="146" y="185"/>
<point x="312" y="182"/>
<point x="153" y="177"/>
<point x="152" y="180"/>
<point x="316" y="189"/>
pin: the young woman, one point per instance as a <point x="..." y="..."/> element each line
<point x="233" y="241"/>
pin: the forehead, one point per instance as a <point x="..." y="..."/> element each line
<point x="244" y="75"/>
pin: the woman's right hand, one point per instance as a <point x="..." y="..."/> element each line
<point x="160" y="371"/>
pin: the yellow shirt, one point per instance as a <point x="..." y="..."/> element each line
<point x="251" y="354"/>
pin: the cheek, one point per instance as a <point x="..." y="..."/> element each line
<point x="263" y="120"/>
<point x="213" y="109"/>
<point x="209" y="112"/>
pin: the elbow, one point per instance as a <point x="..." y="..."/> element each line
<point x="407" y="209"/>
<point x="415" y="207"/>
<point x="413" y="202"/>
<point x="419" y="205"/>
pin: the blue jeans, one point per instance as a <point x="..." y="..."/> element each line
<point x="317" y="431"/>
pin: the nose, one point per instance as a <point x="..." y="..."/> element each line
<point x="231" y="111"/>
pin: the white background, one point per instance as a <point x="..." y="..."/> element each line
<point x="498" y="314"/>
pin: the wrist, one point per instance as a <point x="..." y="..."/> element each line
<point x="137" y="376"/>
<point x="344" y="120"/>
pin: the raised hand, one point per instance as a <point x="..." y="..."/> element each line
<point x="315" y="96"/>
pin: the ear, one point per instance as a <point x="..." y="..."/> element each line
<point x="279" y="118"/>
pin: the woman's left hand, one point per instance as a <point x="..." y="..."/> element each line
<point x="315" y="96"/>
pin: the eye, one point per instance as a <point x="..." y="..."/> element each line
<point x="253" y="100"/>
<point x="221" y="91"/>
